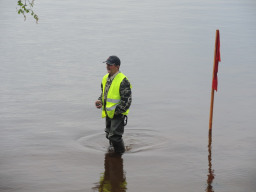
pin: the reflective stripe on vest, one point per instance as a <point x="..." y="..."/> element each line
<point x="113" y="100"/>
<point x="116" y="101"/>
<point x="113" y="97"/>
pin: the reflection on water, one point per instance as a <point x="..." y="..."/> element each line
<point x="113" y="179"/>
<point x="211" y="171"/>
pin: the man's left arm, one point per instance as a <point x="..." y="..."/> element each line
<point x="126" y="97"/>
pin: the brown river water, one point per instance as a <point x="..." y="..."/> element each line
<point x="52" y="136"/>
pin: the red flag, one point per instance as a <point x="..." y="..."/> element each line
<point x="216" y="61"/>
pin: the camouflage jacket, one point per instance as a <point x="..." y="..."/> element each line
<point x="125" y="93"/>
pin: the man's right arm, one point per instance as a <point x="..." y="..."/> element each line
<point x="100" y="98"/>
<point x="98" y="103"/>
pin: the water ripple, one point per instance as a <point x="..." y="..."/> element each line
<point x="136" y="140"/>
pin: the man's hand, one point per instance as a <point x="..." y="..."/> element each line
<point x="98" y="104"/>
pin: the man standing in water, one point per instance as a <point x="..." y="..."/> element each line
<point x="115" y="100"/>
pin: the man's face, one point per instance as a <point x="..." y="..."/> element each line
<point x="112" y="69"/>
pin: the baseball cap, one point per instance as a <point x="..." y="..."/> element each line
<point x="113" y="60"/>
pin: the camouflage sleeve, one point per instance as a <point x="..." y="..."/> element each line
<point x="101" y="92"/>
<point x="126" y="97"/>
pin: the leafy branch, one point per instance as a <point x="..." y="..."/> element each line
<point x="25" y="7"/>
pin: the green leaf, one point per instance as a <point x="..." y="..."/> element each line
<point x="25" y="7"/>
<point x="19" y="3"/>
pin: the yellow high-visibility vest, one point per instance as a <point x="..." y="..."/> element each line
<point x="113" y="97"/>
